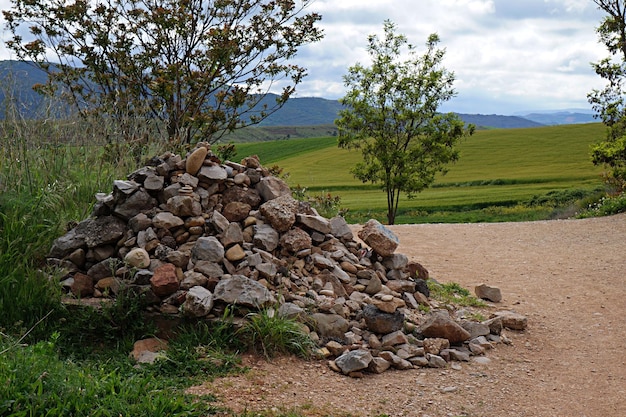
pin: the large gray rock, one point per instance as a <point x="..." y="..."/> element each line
<point x="241" y="290"/>
<point x="317" y="223"/>
<point x="330" y="326"/>
<point x="198" y="302"/>
<point x="271" y="187"/>
<point x="379" y="238"/>
<point x="265" y="237"/>
<point x="340" y="228"/>
<point x="90" y="233"/>
<point x="212" y="173"/>
<point x="207" y="249"/>
<point x="140" y="201"/>
<point x="354" y="360"/>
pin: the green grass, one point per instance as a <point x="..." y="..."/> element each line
<point x="499" y="168"/>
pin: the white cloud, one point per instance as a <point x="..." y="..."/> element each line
<point x="507" y="55"/>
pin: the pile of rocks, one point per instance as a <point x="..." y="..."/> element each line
<point x="193" y="235"/>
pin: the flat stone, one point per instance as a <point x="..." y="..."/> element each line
<point x="488" y="293"/>
<point x="240" y="290"/>
<point x="438" y="324"/>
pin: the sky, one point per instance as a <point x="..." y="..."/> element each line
<point x="508" y="56"/>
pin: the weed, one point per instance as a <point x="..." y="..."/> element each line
<point x="269" y="333"/>
<point x="453" y="293"/>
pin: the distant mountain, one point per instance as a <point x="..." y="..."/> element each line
<point x="17" y="79"/>
<point x="312" y="111"/>
<point x="495" y="121"/>
<point x="561" y="118"/>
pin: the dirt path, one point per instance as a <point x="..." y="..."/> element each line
<point x="568" y="277"/>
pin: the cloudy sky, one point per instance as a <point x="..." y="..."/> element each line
<point x="509" y="56"/>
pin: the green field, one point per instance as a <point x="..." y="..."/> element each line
<point x="497" y="169"/>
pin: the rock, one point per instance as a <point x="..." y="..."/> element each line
<point x="330" y="326"/>
<point x="296" y="240"/>
<point x="488" y="293"/>
<point x="236" y="211"/>
<point x="280" y="212"/>
<point x="378" y="365"/>
<point x="183" y="206"/>
<point x="438" y="324"/>
<point x="137" y="258"/>
<point x="271" y="187"/>
<point x="354" y="360"/>
<point x="395" y="338"/>
<point x="154" y="182"/>
<point x="198" y="302"/>
<point x="138" y="202"/>
<point x="340" y="229"/>
<point x="265" y="237"/>
<point x="90" y="233"/>
<point x="401" y="286"/>
<point x="396" y="261"/>
<point x="193" y="279"/>
<point x="232" y="235"/>
<point x="166" y="220"/>
<point x="207" y="249"/>
<point x="396" y="361"/>
<point x="139" y="222"/>
<point x="475" y="329"/>
<point x="417" y="271"/>
<point x="164" y="281"/>
<point x="235" y="253"/>
<point x="388" y="303"/>
<point x="82" y="285"/>
<point x="317" y="223"/>
<point x="208" y="268"/>
<point x="212" y="173"/>
<point x="241" y="290"/>
<point x="379" y="238"/>
<point x="195" y="160"/>
<point x="435" y="361"/>
<point x="435" y="345"/>
<point x="512" y="320"/>
<point x="380" y="322"/>
<point x="220" y="222"/>
<point x="148" y="350"/>
<point x="249" y="196"/>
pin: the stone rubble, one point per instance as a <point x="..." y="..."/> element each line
<point x="194" y="235"/>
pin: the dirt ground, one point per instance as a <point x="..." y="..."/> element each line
<point x="567" y="276"/>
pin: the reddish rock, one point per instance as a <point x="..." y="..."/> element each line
<point x="82" y="285"/>
<point x="164" y="281"/>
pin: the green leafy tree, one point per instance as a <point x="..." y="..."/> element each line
<point x="391" y="115"/>
<point x="200" y="67"/>
<point x="609" y="102"/>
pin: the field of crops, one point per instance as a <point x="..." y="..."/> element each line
<point x="498" y="170"/>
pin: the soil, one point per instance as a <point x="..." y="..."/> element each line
<point x="567" y="276"/>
